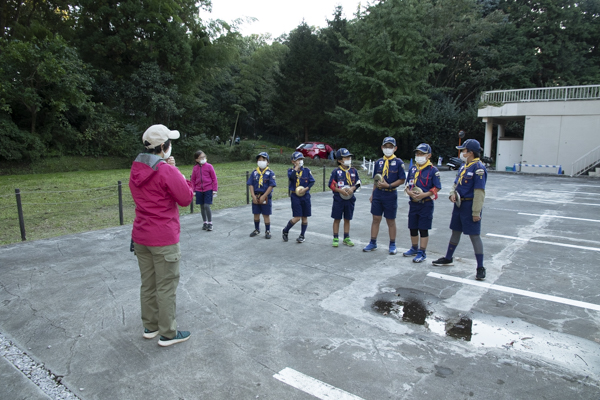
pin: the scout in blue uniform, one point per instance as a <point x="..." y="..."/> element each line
<point x="384" y="200"/>
<point x="469" y="186"/>
<point x="343" y="181"/>
<point x="426" y="177"/>
<point x="262" y="182"/>
<point x="300" y="182"/>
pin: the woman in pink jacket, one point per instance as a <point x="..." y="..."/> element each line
<point x="157" y="188"/>
<point x="205" y="185"/>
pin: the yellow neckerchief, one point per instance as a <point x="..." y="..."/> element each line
<point x="260" y="180"/>
<point x="386" y="166"/>
<point x="298" y="176"/>
<point x="347" y="171"/>
<point x="465" y="170"/>
<point x="419" y="169"/>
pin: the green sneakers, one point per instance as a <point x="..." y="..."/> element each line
<point x="336" y="242"/>
<point x="348" y="242"/>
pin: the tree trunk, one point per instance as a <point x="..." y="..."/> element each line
<point x="234" y="129"/>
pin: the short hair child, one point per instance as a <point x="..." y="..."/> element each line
<point x="422" y="188"/>
<point x="384" y="200"/>
<point x="205" y="186"/>
<point x="262" y="182"/>
<point x="344" y="181"/>
<point x="300" y="182"/>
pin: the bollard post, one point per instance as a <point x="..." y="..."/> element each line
<point x="247" y="188"/>
<point x="120" y="203"/>
<point x="323" y="178"/>
<point x="20" y="212"/>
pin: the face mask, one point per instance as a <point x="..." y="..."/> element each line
<point x="348" y="163"/>
<point x="301" y="163"/>
<point x="167" y="154"/>
<point x="463" y="157"/>
<point x="388" y="152"/>
<point x="203" y="161"/>
<point x="420" y="160"/>
<point x="262" y="164"/>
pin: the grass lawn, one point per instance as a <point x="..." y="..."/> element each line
<point x="56" y="204"/>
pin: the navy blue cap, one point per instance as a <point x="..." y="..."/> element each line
<point x="424" y="147"/>
<point x="297" y="155"/>
<point x="263" y="154"/>
<point x="343" y="153"/>
<point x="471" y="145"/>
<point x="389" y="140"/>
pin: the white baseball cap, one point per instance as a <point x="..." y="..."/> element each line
<point x="157" y="135"/>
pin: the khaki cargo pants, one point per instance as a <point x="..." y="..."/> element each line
<point x="159" y="269"/>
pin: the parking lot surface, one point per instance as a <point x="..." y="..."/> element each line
<point x="275" y="320"/>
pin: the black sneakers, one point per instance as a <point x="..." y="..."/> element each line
<point x="300" y="239"/>
<point x="443" y="262"/>
<point x="284" y="235"/>
<point x="268" y="235"/>
<point x="255" y="232"/>
<point x="480" y="274"/>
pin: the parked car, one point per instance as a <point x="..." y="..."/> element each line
<point x="316" y="150"/>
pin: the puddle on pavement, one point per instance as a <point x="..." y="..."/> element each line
<point x="417" y="307"/>
<point x="409" y="306"/>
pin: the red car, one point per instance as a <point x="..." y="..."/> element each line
<point x="316" y="150"/>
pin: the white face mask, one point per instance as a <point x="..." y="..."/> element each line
<point x="463" y="157"/>
<point x="300" y="163"/>
<point x="388" y="152"/>
<point x="203" y="161"/>
<point x="420" y="160"/>
<point x="262" y="164"/>
<point x="168" y="153"/>
<point x="348" y="163"/>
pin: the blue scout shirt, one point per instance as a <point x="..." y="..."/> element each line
<point x="428" y="178"/>
<point x="268" y="179"/>
<point x="470" y="177"/>
<point x="340" y="179"/>
<point x="396" y="172"/>
<point x="303" y="178"/>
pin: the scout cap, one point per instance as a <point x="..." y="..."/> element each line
<point x="389" y="140"/>
<point x="424" y="147"/>
<point x="263" y="154"/>
<point x="471" y="145"/>
<point x="297" y="155"/>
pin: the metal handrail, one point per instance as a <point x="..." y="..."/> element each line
<point x="585" y="162"/>
<point x="562" y="93"/>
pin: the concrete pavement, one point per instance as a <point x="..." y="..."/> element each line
<point x="337" y="316"/>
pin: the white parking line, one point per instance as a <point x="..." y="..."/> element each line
<point x="313" y="386"/>
<point x="543" y="201"/>
<point x="527" y="293"/>
<point x="544" y="242"/>
<point x="578" y="194"/>
<point x="558" y="216"/>
<point x="574" y="184"/>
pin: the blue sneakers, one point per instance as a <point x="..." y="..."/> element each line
<point x="411" y="252"/>
<point x="370" y="247"/>
<point x="181" y="336"/>
<point x="393" y="249"/>
<point x="421" y="256"/>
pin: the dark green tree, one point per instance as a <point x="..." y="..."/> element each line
<point x="561" y="37"/>
<point x="302" y="95"/>
<point x="389" y="63"/>
<point x="44" y="84"/>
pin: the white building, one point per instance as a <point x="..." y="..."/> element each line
<point x="562" y="127"/>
